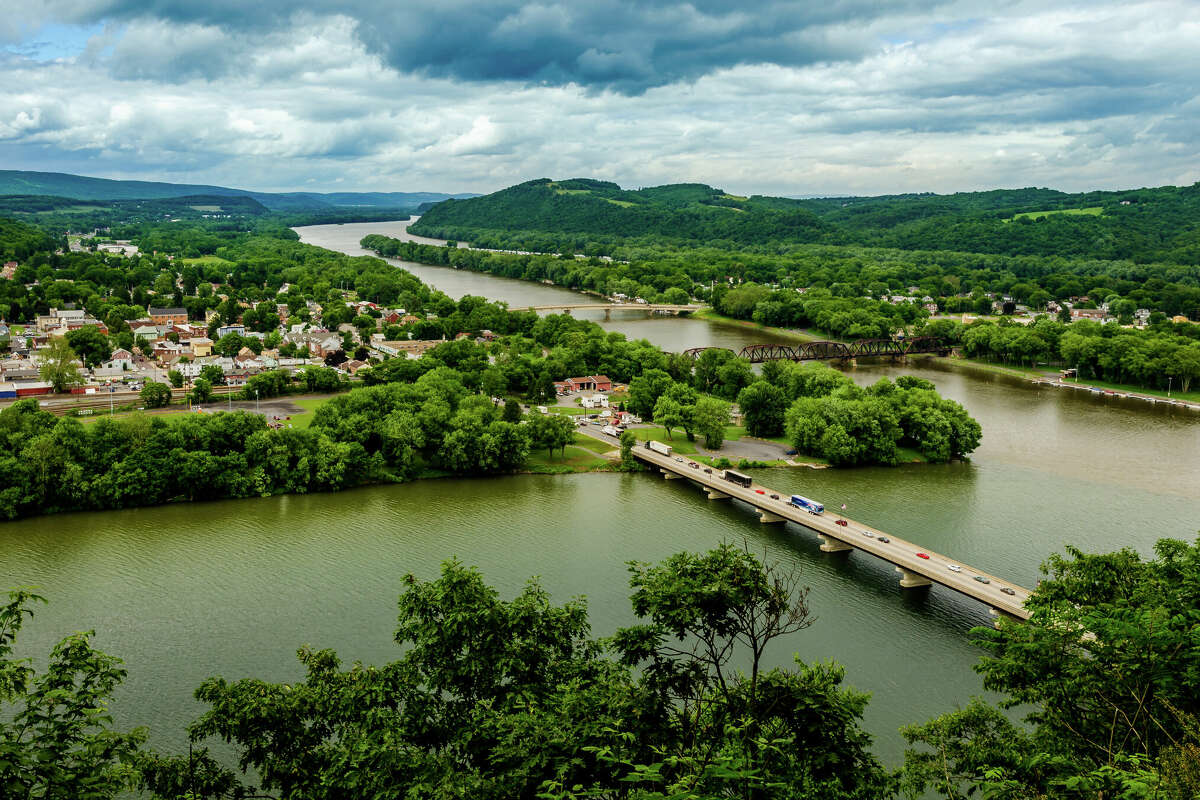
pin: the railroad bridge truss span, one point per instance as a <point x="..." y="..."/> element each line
<point x="830" y="351"/>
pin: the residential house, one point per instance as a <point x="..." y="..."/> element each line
<point x="225" y="330"/>
<point x="166" y="316"/>
<point x="201" y="347"/>
<point x="9" y="270"/>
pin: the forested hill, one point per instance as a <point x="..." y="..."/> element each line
<point x="687" y="211"/>
<point x="80" y="187"/>
<point x="1144" y="225"/>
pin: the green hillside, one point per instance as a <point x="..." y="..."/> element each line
<point x="687" y="212"/>
<point x="1142" y="225"/>
<point x="80" y="187"/>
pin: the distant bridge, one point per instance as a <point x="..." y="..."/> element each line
<point x="824" y="351"/>
<point x="608" y="308"/>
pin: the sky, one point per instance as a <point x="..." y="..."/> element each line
<point x="754" y="97"/>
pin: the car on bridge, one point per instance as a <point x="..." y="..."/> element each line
<point x="841" y="522"/>
<point x="923" y="555"/>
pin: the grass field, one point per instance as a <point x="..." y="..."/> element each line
<point x="310" y="406"/>
<point x="207" y="260"/>
<point x="1094" y="211"/>
<point x="583" y="456"/>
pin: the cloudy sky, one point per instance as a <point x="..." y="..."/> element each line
<point x="788" y="98"/>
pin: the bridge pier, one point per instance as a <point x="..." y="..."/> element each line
<point x="713" y="494"/>
<point x="829" y="544"/>
<point x="607" y="314"/>
<point x="669" y="475"/>
<point x="911" y="580"/>
<point x="767" y="516"/>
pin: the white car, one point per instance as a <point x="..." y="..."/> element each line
<point x="954" y="567"/>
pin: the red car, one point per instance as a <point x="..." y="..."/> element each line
<point x="841" y="522"/>
<point x="923" y="555"/>
<point x="760" y="491"/>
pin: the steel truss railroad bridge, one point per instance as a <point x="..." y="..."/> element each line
<point x="814" y="351"/>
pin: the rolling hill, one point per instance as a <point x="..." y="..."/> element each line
<point x="80" y="187"/>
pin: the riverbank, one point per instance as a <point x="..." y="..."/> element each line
<point x="1040" y="375"/>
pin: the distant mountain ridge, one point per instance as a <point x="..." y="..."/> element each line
<point x="580" y="214"/>
<point x="81" y="187"/>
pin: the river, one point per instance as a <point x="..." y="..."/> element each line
<point x="233" y="588"/>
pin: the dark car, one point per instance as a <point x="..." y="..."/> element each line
<point x="707" y="470"/>
<point x="774" y="497"/>
<point x="982" y="579"/>
<point x="883" y="539"/>
<point x="1007" y="590"/>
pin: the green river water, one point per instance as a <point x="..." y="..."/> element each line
<point x="233" y="588"/>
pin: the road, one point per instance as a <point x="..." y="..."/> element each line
<point x="897" y="551"/>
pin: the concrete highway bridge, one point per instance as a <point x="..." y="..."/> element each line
<point x="914" y="571"/>
<point x="608" y="308"/>
<point x="813" y="351"/>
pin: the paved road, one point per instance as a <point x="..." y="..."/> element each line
<point x="897" y="551"/>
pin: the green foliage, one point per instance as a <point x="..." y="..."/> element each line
<point x="628" y="442"/>
<point x="57" y="365"/>
<point x="56" y="736"/>
<point x="1106" y="673"/>
<point x="762" y="405"/>
<point x="551" y="431"/>
<point x="709" y="418"/>
<point x="847" y="425"/>
<point x="201" y="393"/>
<point x="90" y="345"/>
<point x="155" y="394"/>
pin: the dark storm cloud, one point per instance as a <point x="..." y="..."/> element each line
<point x="614" y="44"/>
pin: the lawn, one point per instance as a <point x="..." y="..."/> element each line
<point x="216" y="260"/>
<point x="310" y="405"/>
<point x="569" y="411"/>
<point x="583" y="456"/>
<point x="1094" y="211"/>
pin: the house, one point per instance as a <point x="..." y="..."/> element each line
<point x="149" y="332"/>
<point x="595" y="401"/>
<point x="353" y="366"/>
<point x="120" y="359"/>
<point x="590" y="383"/>
<point x="167" y="316"/>
<point x="10" y="269"/>
<point x="411" y="349"/>
<point x="1097" y="314"/>
<point x="225" y="330"/>
<point x="201" y="347"/>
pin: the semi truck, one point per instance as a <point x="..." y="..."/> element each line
<point x="658" y="447"/>
<point x="738" y="478"/>
<point x="811" y="506"/>
<point x="610" y="430"/>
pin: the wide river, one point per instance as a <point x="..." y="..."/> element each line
<point x="234" y="588"/>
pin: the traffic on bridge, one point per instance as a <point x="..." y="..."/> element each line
<point x="917" y="565"/>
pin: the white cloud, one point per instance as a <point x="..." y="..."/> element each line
<point x="1070" y="97"/>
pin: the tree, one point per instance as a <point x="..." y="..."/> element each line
<point x="202" y="392"/>
<point x="213" y="374"/>
<point x="57" y="365"/>
<point x="762" y="405"/>
<point x="56" y="741"/>
<point x="155" y="394"/>
<point x="1106" y="669"/>
<point x="176" y="378"/>
<point x="709" y="420"/>
<point x="90" y="345"/>
<point x="668" y="413"/>
<point x="628" y="442"/>
<point x="512" y="411"/>
<point x="551" y="431"/>
<point x="645" y="389"/>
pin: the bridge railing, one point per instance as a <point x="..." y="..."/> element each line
<point x="829" y="350"/>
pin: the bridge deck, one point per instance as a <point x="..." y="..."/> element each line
<point x="898" y="552"/>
